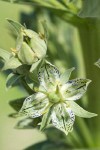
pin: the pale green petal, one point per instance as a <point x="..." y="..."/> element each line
<point x="5" y="55"/>
<point x="12" y="63"/>
<point x="34" y="105"/>
<point x="19" y="41"/>
<point x="46" y="119"/>
<point x="17" y="26"/>
<point x="39" y="46"/>
<point x="74" y="89"/>
<point x="48" y="75"/>
<point x="66" y="75"/>
<point x="98" y="63"/>
<point x="34" y="65"/>
<point x="79" y="111"/>
<point x="63" y="118"/>
<point x="26" y="55"/>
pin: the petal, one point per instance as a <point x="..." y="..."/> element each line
<point x="79" y="111"/>
<point x="46" y="119"/>
<point x="98" y="63"/>
<point x="66" y="75"/>
<point x="74" y="89"/>
<point x="35" y="105"/>
<point x="63" y="118"/>
<point x="12" y="63"/>
<point x="48" y="75"/>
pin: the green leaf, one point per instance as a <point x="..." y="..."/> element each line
<point x="4" y="54"/>
<point x="11" y="79"/>
<point x="17" y="26"/>
<point x="91" y="8"/>
<point x="79" y="111"/>
<point x="28" y="123"/>
<point x="66" y="75"/>
<point x="12" y="63"/>
<point x="17" y="104"/>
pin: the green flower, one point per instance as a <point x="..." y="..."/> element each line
<point x="98" y="63"/>
<point x="55" y="97"/>
<point x="28" y="53"/>
<point x="30" y="49"/>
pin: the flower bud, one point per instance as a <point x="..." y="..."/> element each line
<point x="32" y="48"/>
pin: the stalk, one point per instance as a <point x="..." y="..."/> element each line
<point x="90" y="42"/>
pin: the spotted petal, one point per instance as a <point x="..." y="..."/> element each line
<point x="63" y="118"/>
<point x="74" y="89"/>
<point x="34" y="105"/>
<point x="48" y="75"/>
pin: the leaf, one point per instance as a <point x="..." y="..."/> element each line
<point x="17" y="104"/>
<point x="79" y="111"/>
<point x="12" y="63"/>
<point x="34" y="105"/>
<point x="4" y="54"/>
<point x="11" y="79"/>
<point x="49" y="145"/>
<point x="90" y="8"/>
<point x="17" y="26"/>
<point x="66" y="75"/>
<point x="63" y="118"/>
<point x="28" y="123"/>
<point x="74" y="89"/>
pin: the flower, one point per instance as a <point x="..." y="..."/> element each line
<point x="54" y="100"/>
<point x="97" y="63"/>
<point x="30" y="50"/>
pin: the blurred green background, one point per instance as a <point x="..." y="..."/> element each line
<point x="68" y="46"/>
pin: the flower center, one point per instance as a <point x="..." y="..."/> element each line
<point x="53" y="97"/>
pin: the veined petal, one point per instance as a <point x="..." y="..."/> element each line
<point x="79" y="111"/>
<point x="35" y="105"/>
<point x="48" y="75"/>
<point x="63" y="118"/>
<point x="74" y="89"/>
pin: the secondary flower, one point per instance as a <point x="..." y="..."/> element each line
<point x="28" y="53"/>
<point x="54" y="100"/>
<point x="30" y="49"/>
<point x="98" y="63"/>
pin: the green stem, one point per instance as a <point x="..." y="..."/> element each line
<point x="90" y="42"/>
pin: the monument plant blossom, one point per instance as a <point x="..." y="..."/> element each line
<point x="54" y="99"/>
